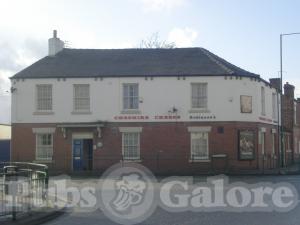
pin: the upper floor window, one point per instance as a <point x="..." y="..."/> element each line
<point x="130" y="96"/>
<point x="274" y="106"/>
<point x="263" y="101"/>
<point x="44" y="146"/>
<point x="295" y="114"/>
<point x="199" y="95"/>
<point x="81" y="97"/>
<point x="44" y="97"/>
<point x="246" y="104"/>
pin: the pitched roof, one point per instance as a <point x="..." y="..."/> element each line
<point x="131" y="62"/>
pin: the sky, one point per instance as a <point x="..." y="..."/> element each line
<point x="244" y="32"/>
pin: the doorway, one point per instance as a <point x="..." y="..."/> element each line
<point x="82" y="154"/>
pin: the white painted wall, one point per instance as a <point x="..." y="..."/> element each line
<point x="5" y="132"/>
<point x="159" y="96"/>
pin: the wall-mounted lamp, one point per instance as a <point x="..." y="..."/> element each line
<point x="99" y="132"/>
<point x="13" y="89"/>
<point x="64" y="132"/>
<point x="173" y="110"/>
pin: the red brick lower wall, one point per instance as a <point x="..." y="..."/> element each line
<point x="296" y="142"/>
<point x="165" y="147"/>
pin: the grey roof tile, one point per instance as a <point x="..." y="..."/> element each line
<point x="131" y="62"/>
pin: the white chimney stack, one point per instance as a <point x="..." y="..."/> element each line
<point x="55" y="44"/>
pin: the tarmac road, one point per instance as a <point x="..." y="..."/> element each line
<point x="163" y="217"/>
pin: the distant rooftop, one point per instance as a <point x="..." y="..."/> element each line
<point x="73" y="63"/>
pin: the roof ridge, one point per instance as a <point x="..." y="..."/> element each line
<point x="131" y="62"/>
<point x="213" y="59"/>
<point x="131" y="48"/>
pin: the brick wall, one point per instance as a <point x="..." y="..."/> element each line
<point x="165" y="147"/>
<point x="288" y="107"/>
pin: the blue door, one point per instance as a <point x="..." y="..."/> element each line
<point x="4" y="150"/>
<point x="77" y="154"/>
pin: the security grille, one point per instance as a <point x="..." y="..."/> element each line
<point x="81" y="97"/>
<point x="131" y="146"/>
<point x="44" y="97"/>
<point x="199" y="95"/>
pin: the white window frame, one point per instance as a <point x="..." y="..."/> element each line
<point x="263" y="141"/>
<point x="288" y="142"/>
<point x="129" y="98"/>
<point x="204" y="135"/>
<point x="295" y="144"/>
<point x="138" y="154"/>
<point x="47" y="147"/>
<point x="295" y="114"/>
<point x="81" y="98"/>
<point x="263" y="101"/>
<point x="44" y="98"/>
<point x="273" y="143"/>
<point x="198" y="97"/>
<point x="274" y="106"/>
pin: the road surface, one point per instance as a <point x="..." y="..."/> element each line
<point x="162" y="217"/>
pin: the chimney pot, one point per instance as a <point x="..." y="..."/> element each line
<point x="275" y="83"/>
<point x="289" y="90"/>
<point x="55" y="44"/>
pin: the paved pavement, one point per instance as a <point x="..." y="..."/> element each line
<point x="208" y="218"/>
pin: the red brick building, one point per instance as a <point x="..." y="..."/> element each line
<point x="176" y="111"/>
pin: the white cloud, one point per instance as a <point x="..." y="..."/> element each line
<point x="16" y="55"/>
<point x="4" y="97"/>
<point x="158" y="5"/>
<point x="183" y="37"/>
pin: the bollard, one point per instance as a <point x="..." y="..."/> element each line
<point x="11" y="176"/>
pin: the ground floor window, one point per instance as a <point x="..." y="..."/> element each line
<point x="199" y="145"/>
<point x="131" y="146"/>
<point x="44" y="146"/>
<point x="262" y="142"/>
<point x="273" y="143"/>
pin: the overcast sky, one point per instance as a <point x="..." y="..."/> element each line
<point x="244" y="32"/>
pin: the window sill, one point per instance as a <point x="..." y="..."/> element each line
<point x="43" y="161"/>
<point x="41" y="113"/>
<point x="199" y="111"/>
<point x="81" y="113"/>
<point x="199" y="160"/>
<point x="131" y="111"/>
<point x="219" y="156"/>
<point x="131" y="160"/>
